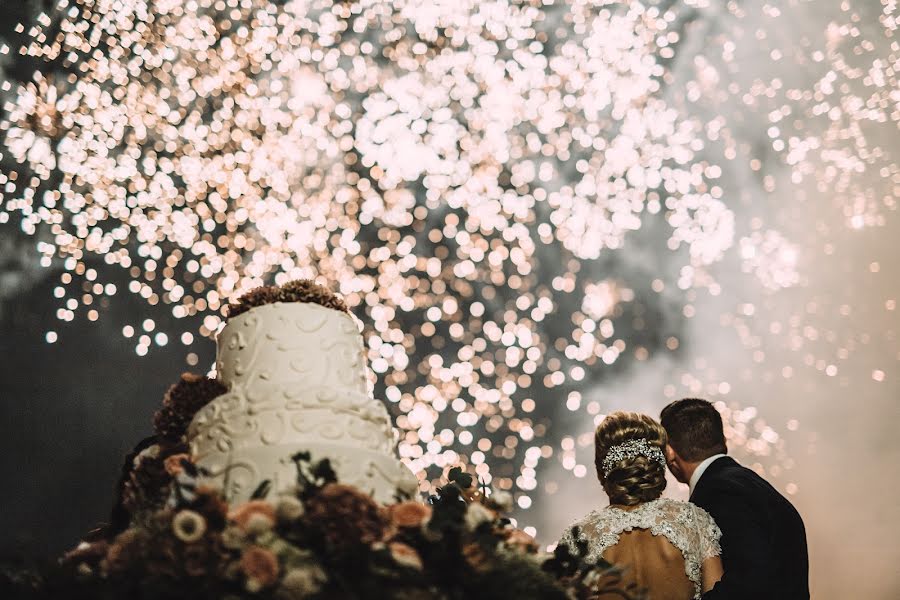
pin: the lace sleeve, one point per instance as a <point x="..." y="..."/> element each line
<point x="709" y="534"/>
<point x="592" y="534"/>
<point x="567" y="539"/>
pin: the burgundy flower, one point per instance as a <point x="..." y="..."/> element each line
<point x="345" y="517"/>
<point x="181" y="403"/>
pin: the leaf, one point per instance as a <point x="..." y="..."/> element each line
<point x="262" y="490"/>
<point x="325" y="472"/>
<point x="457" y="476"/>
<point x="302" y="457"/>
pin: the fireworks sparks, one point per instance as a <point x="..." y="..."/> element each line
<point x="456" y="169"/>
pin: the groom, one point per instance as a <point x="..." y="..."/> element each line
<point x="763" y="538"/>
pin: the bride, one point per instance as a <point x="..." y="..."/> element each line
<point x="668" y="547"/>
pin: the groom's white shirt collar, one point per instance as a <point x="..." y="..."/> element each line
<point x="701" y="468"/>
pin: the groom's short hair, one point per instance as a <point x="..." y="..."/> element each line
<point x="695" y="429"/>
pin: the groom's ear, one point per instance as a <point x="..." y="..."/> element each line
<point x="671" y="455"/>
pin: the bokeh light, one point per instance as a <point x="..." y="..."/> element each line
<point x="466" y="174"/>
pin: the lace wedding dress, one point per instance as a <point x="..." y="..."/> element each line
<point x="661" y="544"/>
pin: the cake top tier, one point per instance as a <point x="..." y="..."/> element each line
<point x="298" y="290"/>
<point x="291" y="345"/>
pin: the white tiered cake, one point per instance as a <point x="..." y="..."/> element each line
<point x="295" y="374"/>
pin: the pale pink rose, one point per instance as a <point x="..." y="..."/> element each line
<point x="242" y="514"/>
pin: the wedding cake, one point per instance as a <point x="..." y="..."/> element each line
<point x="296" y="379"/>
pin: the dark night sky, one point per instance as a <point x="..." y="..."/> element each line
<point x="69" y="409"/>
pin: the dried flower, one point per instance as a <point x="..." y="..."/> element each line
<point x="260" y="567"/>
<point x="195" y="560"/>
<point x="518" y="539"/>
<point x="86" y="553"/>
<point x="405" y="555"/>
<point x="188" y="526"/>
<point x="173" y="464"/>
<point x="259" y="523"/>
<point x="409" y="514"/>
<point x="476" y="514"/>
<point x="125" y="550"/>
<point x="242" y="514"/>
<point x="301" y="582"/>
<point x="266" y="294"/>
<point x="208" y="501"/>
<point x="289" y="509"/>
<point x="475" y="557"/>
<point x="345" y="517"/>
<point x="502" y="500"/>
<point x="146" y="485"/>
<point x="234" y="538"/>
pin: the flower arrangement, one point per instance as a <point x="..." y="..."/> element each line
<point x="298" y="290"/>
<point x="323" y="541"/>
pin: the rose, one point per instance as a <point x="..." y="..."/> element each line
<point x="409" y="514"/>
<point x="260" y="567"/>
<point x="243" y="514"/>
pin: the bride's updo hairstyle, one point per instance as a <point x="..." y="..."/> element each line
<point x="630" y="478"/>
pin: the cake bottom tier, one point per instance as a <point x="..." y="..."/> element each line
<point x="239" y="473"/>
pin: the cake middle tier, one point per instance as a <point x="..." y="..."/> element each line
<point x="291" y="414"/>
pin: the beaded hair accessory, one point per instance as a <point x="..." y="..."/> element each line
<point x="631" y="449"/>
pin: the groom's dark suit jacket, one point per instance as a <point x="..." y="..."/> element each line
<point x="763" y="538"/>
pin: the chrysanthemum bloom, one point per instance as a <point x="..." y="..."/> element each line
<point x="409" y="514"/>
<point x="266" y="294"/>
<point x="301" y="582"/>
<point x="260" y="567"/>
<point x="188" y="526"/>
<point x="405" y="555"/>
<point x="345" y="517"/>
<point x="306" y="290"/>
<point x="181" y="403"/>
<point x="241" y="515"/>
